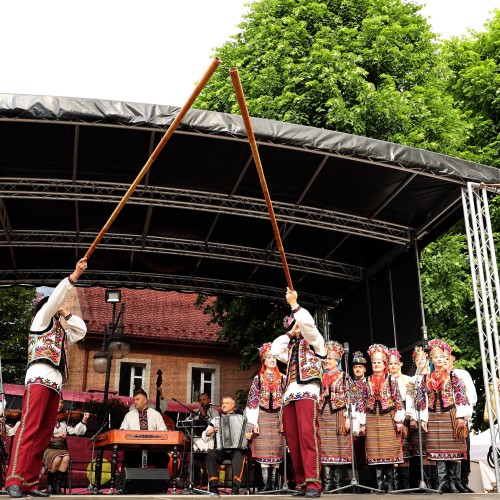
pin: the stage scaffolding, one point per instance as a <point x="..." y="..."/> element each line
<point x="486" y="287"/>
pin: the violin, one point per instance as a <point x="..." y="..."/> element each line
<point x="72" y="415"/>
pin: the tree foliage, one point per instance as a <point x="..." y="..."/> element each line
<point x="16" y="313"/>
<point x="367" y="67"/>
<point x="474" y="84"/>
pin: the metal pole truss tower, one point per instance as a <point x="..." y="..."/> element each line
<point x="486" y="288"/>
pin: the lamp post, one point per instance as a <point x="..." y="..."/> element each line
<point x="114" y="345"/>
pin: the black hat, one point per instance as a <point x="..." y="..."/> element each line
<point x="358" y="358"/>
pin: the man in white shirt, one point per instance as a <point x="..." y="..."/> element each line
<point x="47" y="370"/>
<point x="142" y="418"/>
<point x="302" y="348"/>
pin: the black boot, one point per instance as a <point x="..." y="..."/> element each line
<point x="269" y="485"/>
<point x="389" y="472"/>
<point x="265" y="474"/>
<point x="443" y="479"/>
<point x="327" y="477"/>
<point x="454" y="474"/>
<point x="403" y="478"/>
<point x="50" y="482"/>
<point x="338" y="471"/>
<point x="58" y="482"/>
<point x="379" y="474"/>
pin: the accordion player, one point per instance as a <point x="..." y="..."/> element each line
<point x="231" y="433"/>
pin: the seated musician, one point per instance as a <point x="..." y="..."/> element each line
<point x="220" y="452"/>
<point x="142" y="418"/>
<point x="56" y="457"/>
<point x="203" y="415"/>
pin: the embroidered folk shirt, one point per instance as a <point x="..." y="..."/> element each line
<point x="48" y="374"/>
<point x="305" y="356"/>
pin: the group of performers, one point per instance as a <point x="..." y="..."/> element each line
<point x="316" y="407"/>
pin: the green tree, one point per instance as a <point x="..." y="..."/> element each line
<point x="367" y="67"/>
<point x="474" y="84"/>
<point x="245" y="323"/>
<point x="16" y="313"/>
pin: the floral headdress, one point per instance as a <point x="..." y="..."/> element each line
<point x="335" y="347"/>
<point x="393" y="352"/>
<point x="378" y="348"/>
<point x="417" y="352"/>
<point x="358" y="358"/>
<point x="263" y="349"/>
<point x="439" y="344"/>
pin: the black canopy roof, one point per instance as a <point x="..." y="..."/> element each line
<point x="346" y="205"/>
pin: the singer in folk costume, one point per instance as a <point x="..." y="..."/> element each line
<point x="302" y="347"/>
<point x="334" y="423"/>
<point x="263" y="405"/>
<point x="395" y="365"/>
<point x="445" y="410"/>
<point x="383" y="406"/>
<point x="47" y="369"/>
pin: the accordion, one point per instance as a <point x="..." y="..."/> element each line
<point x="231" y="433"/>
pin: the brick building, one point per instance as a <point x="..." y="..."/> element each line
<point x="167" y="333"/>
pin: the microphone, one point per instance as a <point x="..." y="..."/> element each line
<point x="346" y="347"/>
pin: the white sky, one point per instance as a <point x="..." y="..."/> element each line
<point x="142" y="50"/>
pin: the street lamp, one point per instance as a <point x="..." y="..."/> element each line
<point x="114" y="344"/>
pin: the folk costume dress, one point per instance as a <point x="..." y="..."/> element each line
<point x="383" y="407"/>
<point x="443" y="400"/>
<point x="263" y="406"/>
<point x="336" y="448"/>
<point x="47" y="367"/>
<point x="301" y="397"/>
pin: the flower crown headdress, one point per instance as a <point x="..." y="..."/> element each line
<point x="378" y="348"/>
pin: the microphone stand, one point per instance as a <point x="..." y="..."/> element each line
<point x="191" y="489"/>
<point x="354" y="485"/>
<point x="95" y="487"/>
<point x="285" y="490"/>
<point x="422" y="487"/>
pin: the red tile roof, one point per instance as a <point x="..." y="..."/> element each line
<point x="150" y="314"/>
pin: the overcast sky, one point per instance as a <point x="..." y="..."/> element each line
<point x="142" y="50"/>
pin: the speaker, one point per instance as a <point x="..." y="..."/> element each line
<point x="139" y="480"/>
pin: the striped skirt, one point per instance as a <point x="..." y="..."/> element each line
<point x="268" y="445"/>
<point x="441" y="441"/>
<point x="50" y="454"/>
<point x="383" y="445"/>
<point x="335" y="444"/>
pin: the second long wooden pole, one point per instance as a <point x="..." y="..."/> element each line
<point x="240" y="96"/>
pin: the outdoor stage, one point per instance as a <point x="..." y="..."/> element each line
<point x="448" y="496"/>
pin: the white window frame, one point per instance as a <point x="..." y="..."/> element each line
<point x="215" y="369"/>
<point x="146" y="363"/>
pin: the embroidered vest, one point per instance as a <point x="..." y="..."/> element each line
<point x="306" y="362"/>
<point x="48" y="346"/>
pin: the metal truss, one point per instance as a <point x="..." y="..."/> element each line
<point x="486" y="287"/>
<point x="164" y="282"/>
<point x="190" y="248"/>
<point x="204" y="201"/>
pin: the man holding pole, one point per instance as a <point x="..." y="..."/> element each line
<point x="302" y="347"/>
<point x="47" y="369"/>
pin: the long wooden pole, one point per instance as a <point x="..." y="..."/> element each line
<point x="197" y="90"/>
<point x="240" y="96"/>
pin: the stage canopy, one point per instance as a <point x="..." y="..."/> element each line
<point x="350" y="209"/>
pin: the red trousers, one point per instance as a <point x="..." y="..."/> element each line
<point x="300" y="422"/>
<point x="33" y="436"/>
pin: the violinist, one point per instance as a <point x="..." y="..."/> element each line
<point x="56" y="457"/>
